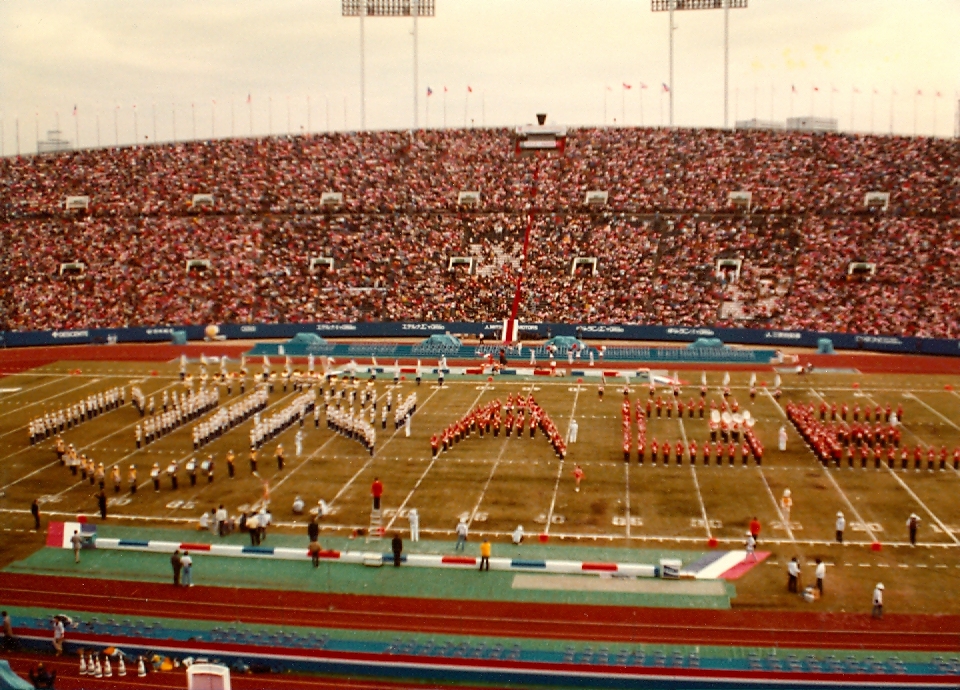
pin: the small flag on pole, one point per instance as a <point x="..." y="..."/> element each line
<point x="469" y="89"/>
<point x="429" y="91"/>
<point x="75" y="110"/>
<point x="793" y="88"/>
<point x="248" y="98"/>
<point x="627" y="86"/>
<point x="666" y="89"/>
<point x="642" y="85"/>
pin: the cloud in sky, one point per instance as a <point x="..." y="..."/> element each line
<point x="177" y="57"/>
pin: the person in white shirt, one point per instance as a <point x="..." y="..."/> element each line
<point x="186" y="574"/>
<point x="572" y="431"/>
<point x="58" y="634"/>
<point x="461" y="535"/>
<point x="751" y="547"/>
<point x="793" y="575"/>
<point x="414" y="518"/>
<point x="298" y="506"/>
<point x="841" y="524"/>
<point x="820" y="573"/>
<point x="517" y="536"/>
<point x="782" y="438"/>
<point x="878" y="601"/>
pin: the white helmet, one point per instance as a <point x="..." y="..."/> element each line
<point x="786" y="492"/>
<point x="879" y="585"/>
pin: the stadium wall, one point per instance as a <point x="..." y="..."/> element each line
<point x="676" y="334"/>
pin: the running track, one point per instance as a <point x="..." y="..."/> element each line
<point x="495" y="619"/>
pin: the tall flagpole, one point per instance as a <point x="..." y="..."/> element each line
<point x="363" y="72"/>
<point x="672" y="5"/>
<point x="415" y="10"/>
<point x="726" y="60"/>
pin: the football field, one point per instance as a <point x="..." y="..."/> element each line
<point x="499" y="482"/>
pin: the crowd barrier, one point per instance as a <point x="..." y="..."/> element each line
<point x="673" y="334"/>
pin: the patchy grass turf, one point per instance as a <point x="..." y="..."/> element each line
<point x="499" y="483"/>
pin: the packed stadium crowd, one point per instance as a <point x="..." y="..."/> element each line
<point x="400" y="248"/>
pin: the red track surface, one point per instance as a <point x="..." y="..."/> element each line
<point x="69" y="678"/>
<point x="497" y="619"/>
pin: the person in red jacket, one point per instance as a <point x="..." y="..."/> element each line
<point x="755" y="530"/>
<point x="376" y="490"/>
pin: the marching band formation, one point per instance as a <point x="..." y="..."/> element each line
<point x="58" y="421"/>
<point x="185" y="407"/>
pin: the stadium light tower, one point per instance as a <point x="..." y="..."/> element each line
<point x="389" y="8"/>
<point x="726" y="6"/>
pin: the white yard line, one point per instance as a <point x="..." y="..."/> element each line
<point x="846" y="500"/>
<point x="913" y="396"/>
<point x="82" y="448"/>
<point x="483" y="491"/>
<point x="923" y="505"/>
<point x="21" y="408"/>
<point x="626" y="478"/>
<point x="369" y="462"/>
<point x="696" y="483"/>
<point x="31" y="389"/>
<point x="433" y="461"/>
<point x="920" y="441"/>
<point x="556" y="486"/>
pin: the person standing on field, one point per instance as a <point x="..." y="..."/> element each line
<point x="878" y="601"/>
<point x="841" y="524"/>
<point x="786" y="503"/>
<point x="461" y="535"/>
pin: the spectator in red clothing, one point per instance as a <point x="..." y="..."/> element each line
<point x="755" y="530"/>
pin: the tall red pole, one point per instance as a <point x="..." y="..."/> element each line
<point x="515" y="308"/>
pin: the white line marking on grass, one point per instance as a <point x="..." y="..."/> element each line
<point x="556" y="486"/>
<point x="923" y="505"/>
<point x="913" y="396"/>
<point x="369" y="462"/>
<point x="483" y="491"/>
<point x="30" y="389"/>
<point x="626" y="477"/>
<point x="54" y="462"/>
<point x="774" y="401"/>
<point x="20" y="408"/>
<point x="433" y="461"/>
<point x="696" y="482"/>
<point x="914" y="434"/>
<point x="836" y="485"/>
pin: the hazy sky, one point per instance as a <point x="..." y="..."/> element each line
<point x="130" y="63"/>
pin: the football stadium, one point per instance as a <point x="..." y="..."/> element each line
<point x="558" y="402"/>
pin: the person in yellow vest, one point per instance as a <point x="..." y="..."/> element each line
<point x="115" y="477"/>
<point x="132" y="478"/>
<point x="485" y="554"/>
